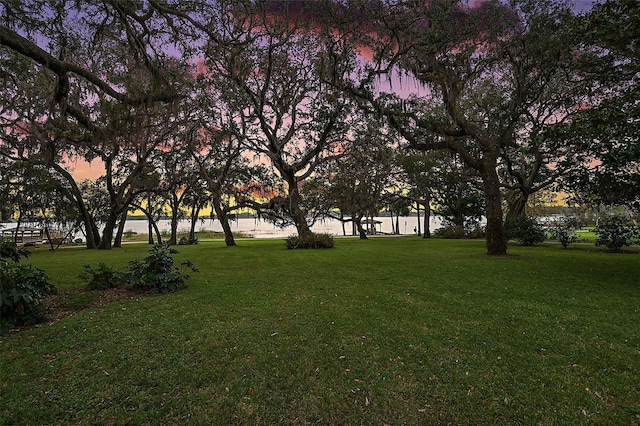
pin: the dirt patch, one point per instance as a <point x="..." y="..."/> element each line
<point x="71" y="301"/>
<point x="68" y="302"/>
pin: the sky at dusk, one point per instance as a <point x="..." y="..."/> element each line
<point x="84" y="170"/>
<point x="583" y="5"/>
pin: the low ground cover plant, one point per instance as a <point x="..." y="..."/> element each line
<point x="153" y="274"/>
<point x="102" y="277"/>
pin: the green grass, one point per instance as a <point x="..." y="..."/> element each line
<point x="395" y="331"/>
<point x="587" y="235"/>
<point x="205" y="234"/>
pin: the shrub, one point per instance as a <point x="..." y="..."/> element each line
<point x="564" y="230"/>
<point x="102" y="277"/>
<point x="524" y="229"/>
<point x="155" y="273"/>
<point x="188" y="241"/>
<point x="457" y="232"/>
<point x="10" y="250"/>
<point x="450" y="232"/>
<point x="476" y="232"/>
<point x="130" y="233"/>
<point x="22" y="289"/>
<point x="614" y="231"/>
<point x="311" y="241"/>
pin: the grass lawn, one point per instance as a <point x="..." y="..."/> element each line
<point x="386" y="331"/>
<point x="587" y="235"/>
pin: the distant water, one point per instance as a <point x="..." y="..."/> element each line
<point x="258" y="228"/>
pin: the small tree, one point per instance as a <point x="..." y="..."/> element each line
<point x="564" y="230"/>
<point x="616" y="230"/>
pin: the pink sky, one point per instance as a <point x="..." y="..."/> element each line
<point x="82" y="170"/>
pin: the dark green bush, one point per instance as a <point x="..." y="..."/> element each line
<point x="450" y="232"/>
<point x="457" y="232"/>
<point x="564" y="230"/>
<point x="311" y="241"/>
<point x="102" y="277"/>
<point x="524" y="229"/>
<point x="616" y="230"/>
<point x="155" y="273"/>
<point x="188" y="241"/>
<point x="22" y="289"/>
<point x="477" y="232"/>
<point x="10" y="250"/>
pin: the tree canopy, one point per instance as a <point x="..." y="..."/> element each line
<point x="274" y="105"/>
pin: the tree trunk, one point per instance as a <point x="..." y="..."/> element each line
<point x="150" y="230"/>
<point x="123" y="221"/>
<point x="297" y="214"/>
<point x="107" y="233"/>
<point x="496" y="239"/>
<point x="195" y="210"/>
<point x="418" y="210"/>
<point x="154" y="224"/>
<point x="173" y="238"/>
<point x="15" y="235"/>
<point x="517" y="208"/>
<point x="74" y="195"/>
<point x="46" y="232"/>
<point x="224" y="221"/>
<point x="458" y="219"/>
<point x="427" y="219"/>
<point x="361" y="231"/>
<point x="93" y="234"/>
<point x="393" y="229"/>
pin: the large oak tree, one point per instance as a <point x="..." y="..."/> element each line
<point x="266" y="65"/>
<point x="481" y="72"/>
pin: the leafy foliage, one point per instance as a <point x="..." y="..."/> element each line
<point x="564" y="230"/>
<point x="188" y="241"/>
<point x="22" y="289"/>
<point x="102" y="277"/>
<point x="453" y="232"/>
<point x="156" y="273"/>
<point x="524" y="229"/>
<point x="10" y="250"/>
<point x="616" y="230"/>
<point x="311" y="241"/>
<point x="456" y="232"/>
<point x="611" y="62"/>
